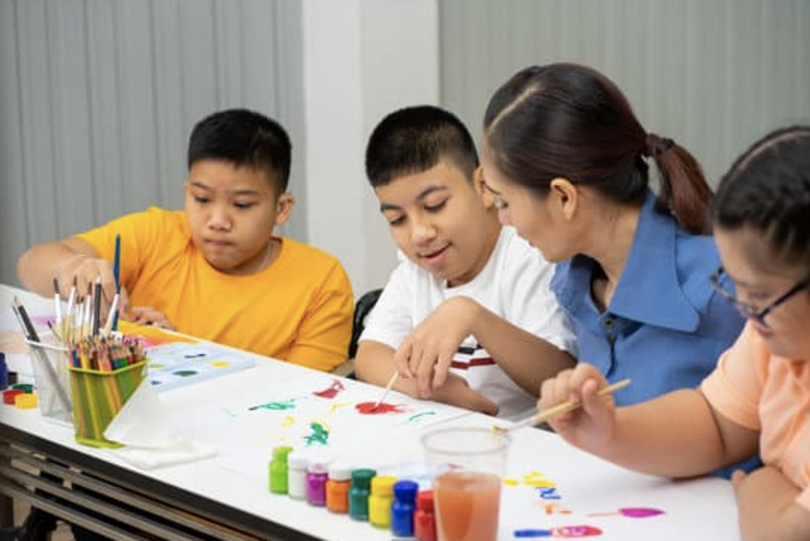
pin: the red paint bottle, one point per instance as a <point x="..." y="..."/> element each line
<point x="424" y="519"/>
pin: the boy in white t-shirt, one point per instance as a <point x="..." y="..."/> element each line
<point x="467" y="318"/>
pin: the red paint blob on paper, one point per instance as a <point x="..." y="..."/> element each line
<point x="368" y="408"/>
<point x="576" y="531"/>
<point x="331" y="391"/>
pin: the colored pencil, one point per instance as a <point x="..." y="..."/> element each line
<point x="97" y="306"/>
<point x="117" y="275"/>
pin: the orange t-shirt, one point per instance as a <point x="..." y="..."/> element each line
<point x="771" y="394"/>
<point x="298" y="309"/>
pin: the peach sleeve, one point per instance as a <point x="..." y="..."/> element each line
<point x="735" y="386"/>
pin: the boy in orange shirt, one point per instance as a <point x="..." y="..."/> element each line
<point x="216" y="270"/>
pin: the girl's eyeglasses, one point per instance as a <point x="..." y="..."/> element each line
<point x="748" y="311"/>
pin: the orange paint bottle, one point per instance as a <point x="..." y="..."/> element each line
<point x="337" y="488"/>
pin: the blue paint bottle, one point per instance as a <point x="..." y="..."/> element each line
<point x="403" y="508"/>
<point x="3" y="371"/>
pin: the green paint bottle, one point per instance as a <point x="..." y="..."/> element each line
<point x="359" y="493"/>
<point x="278" y="470"/>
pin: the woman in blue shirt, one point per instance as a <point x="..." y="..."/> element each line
<point x="567" y="161"/>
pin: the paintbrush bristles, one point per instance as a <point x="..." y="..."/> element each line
<point x="565" y="407"/>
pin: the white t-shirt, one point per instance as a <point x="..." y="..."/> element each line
<point x="514" y="284"/>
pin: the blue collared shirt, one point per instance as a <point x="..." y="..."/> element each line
<point x="665" y="326"/>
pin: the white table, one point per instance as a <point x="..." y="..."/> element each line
<point x="549" y="484"/>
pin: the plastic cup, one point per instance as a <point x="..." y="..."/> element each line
<point x="470" y="464"/>
<point x="50" y="364"/>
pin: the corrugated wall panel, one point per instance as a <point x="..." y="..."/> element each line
<point x="97" y="99"/>
<point x="712" y="74"/>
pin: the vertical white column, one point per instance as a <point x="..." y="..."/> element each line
<point x="362" y="60"/>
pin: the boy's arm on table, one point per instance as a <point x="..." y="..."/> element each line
<point x="675" y="435"/>
<point x="64" y="259"/>
<point x="767" y="506"/>
<point x="428" y="351"/>
<point x="374" y="363"/>
<point x="527" y="359"/>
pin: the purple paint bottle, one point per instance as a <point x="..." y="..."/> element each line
<point x="317" y="475"/>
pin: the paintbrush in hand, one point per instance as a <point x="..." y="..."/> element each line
<point x="565" y="407"/>
<point x="385" y="392"/>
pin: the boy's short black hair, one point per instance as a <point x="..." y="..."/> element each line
<point x="415" y="139"/>
<point x="243" y="138"/>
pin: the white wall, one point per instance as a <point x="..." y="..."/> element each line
<point x="362" y="60"/>
<point x="713" y="75"/>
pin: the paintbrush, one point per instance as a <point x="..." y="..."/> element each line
<point x="57" y="302"/>
<point x="565" y="407"/>
<point x="388" y="387"/>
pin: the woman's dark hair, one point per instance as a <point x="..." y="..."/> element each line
<point x="570" y="121"/>
<point x="768" y="189"/>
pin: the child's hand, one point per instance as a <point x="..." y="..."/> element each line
<point x="146" y="315"/>
<point x="456" y="392"/>
<point x="427" y="353"/>
<point x="592" y="423"/>
<point x="84" y="271"/>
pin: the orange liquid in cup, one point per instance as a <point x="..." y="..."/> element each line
<point x="467" y="505"/>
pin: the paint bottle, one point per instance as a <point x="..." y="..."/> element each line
<point x="337" y="488"/>
<point x="403" y="508"/>
<point x="278" y="470"/>
<point x="3" y="371"/>
<point x="359" y="493"/>
<point x="424" y="519"/>
<point x="380" y="500"/>
<point x="297" y="464"/>
<point x="317" y="475"/>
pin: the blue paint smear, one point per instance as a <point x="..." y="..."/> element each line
<point x="531" y="534"/>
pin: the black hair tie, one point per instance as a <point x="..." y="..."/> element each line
<point x="657" y="146"/>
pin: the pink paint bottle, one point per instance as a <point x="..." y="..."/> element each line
<point x="317" y="475"/>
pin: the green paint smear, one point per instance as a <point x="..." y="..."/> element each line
<point x="418" y="415"/>
<point x="275" y="406"/>
<point x="319" y="435"/>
